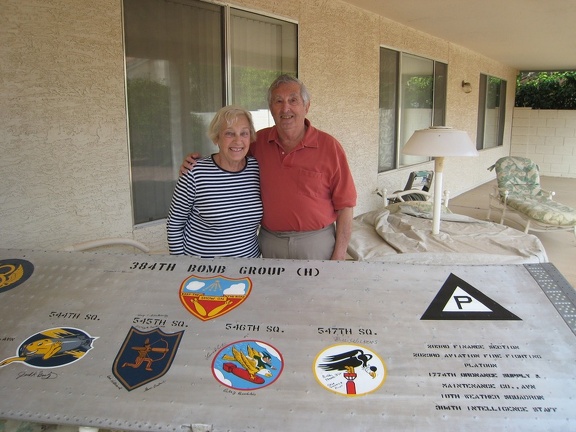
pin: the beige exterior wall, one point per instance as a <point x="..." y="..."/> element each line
<point x="548" y="137"/>
<point x="65" y="162"/>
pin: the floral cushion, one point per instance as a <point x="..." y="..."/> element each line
<point x="520" y="177"/>
<point x="543" y="209"/>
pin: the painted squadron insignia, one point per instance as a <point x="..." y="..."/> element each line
<point x="53" y="348"/>
<point x="14" y="272"/>
<point x="247" y="365"/>
<point x="208" y="298"/>
<point x="349" y="370"/>
<point x="145" y="356"/>
<point x="458" y="300"/>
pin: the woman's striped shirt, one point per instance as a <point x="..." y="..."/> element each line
<point x="216" y="213"/>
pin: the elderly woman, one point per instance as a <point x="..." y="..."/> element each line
<point x="216" y="207"/>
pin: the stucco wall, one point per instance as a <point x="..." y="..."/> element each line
<point x="65" y="162"/>
<point x="65" y="169"/>
<point x="548" y="137"/>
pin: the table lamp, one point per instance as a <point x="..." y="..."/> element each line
<point x="439" y="142"/>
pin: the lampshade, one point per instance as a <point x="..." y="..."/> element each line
<point x="439" y="141"/>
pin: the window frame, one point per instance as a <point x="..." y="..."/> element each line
<point x="186" y="109"/>
<point x="390" y="146"/>
<point x="485" y="91"/>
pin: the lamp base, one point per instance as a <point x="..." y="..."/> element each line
<point x="438" y="174"/>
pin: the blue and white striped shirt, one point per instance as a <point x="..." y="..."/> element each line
<point x="216" y="213"/>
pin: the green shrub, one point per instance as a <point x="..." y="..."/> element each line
<point x="546" y="90"/>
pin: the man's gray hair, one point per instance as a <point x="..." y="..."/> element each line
<point x="288" y="79"/>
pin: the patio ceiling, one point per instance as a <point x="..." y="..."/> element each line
<point x="530" y="35"/>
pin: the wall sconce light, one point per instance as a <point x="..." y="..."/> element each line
<point x="466" y="87"/>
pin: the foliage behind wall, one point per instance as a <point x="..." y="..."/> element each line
<point x="546" y="90"/>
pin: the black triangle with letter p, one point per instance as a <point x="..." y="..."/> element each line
<point x="458" y="300"/>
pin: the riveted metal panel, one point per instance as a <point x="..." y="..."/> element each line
<point x="436" y="347"/>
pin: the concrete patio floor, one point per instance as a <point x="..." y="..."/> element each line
<point x="560" y="246"/>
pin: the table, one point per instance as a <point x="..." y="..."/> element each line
<point x="164" y="343"/>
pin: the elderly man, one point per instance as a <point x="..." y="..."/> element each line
<point x="307" y="188"/>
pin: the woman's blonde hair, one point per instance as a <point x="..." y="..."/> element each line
<point x="226" y="117"/>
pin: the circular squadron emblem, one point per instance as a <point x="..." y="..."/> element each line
<point x="247" y="365"/>
<point x="14" y="272"/>
<point x="349" y="370"/>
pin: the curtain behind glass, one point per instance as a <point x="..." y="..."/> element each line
<point x="491" y="112"/>
<point x="440" y="82"/>
<point x="417" y="101"/>
<point x="174" y="86"/>
<point x="494" y="108"/>
<point x="261" y="49"/>
<point x="388" y="108"/>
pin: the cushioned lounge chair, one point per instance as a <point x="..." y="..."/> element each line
<point x="518" y="193"/>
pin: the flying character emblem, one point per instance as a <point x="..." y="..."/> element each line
<point x="252" y="363"/>
<point x="247" y="365"/>
<point x="349" y="361"/>
<point x="14" y="272"/>
<point x="53" y="348"/>
<point x="349" y="369"/>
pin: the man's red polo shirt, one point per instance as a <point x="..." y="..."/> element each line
<point x="303" y="189"/>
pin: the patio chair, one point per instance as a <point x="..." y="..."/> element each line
<point x="417" y="189"/>
<point x="518" y="193"/>
<point x="107" y="242"/>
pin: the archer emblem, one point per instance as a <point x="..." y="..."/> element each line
<point x="145" y="356"/>
<point x="13" y="272"/>
<point x="208" y="298"/>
